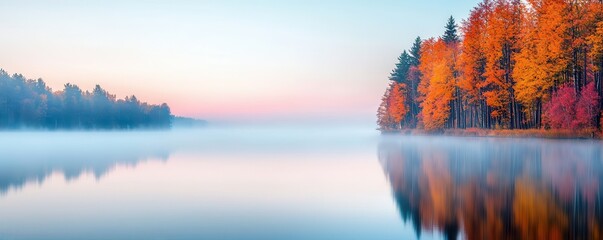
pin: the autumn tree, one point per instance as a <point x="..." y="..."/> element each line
<point x="587" y="108"/>
<point x="403" y="97"/>
<point x="579" y="20"/>
<point x="500" y="47"/>
<point x="472" y="63"/>
<point x="384" y="120"/>
<point x="595" y="44"/>
<point x="437" y="83"/>
<point x="393" y="108"/>
<point x="596" y="53"/>
<point x="397" y="104"/>
<point x="543" y="58"/>
<point x="452" y="41"/>
<point x="399" y="108"/>
<point x="510" y="68"/>
<point x="559" y="111"/>
<point x="568" y="110"/>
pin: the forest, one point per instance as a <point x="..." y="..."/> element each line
<point x="28" y="103"/>
<point x="512" y="64"/>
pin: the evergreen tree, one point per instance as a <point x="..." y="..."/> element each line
<point x="450" y="35"/>
<point x="400" y="73"/>
<point x="415" y="52"/>
<point x="32" y="104"/>
<point x="520" y="64"/>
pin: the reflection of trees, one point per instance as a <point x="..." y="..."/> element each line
<point x="497" y="188"/>
<point x="535" y="212"/>
<point x="34" y="160"/>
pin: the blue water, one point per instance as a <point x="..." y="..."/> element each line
<point x="294" y="183"/>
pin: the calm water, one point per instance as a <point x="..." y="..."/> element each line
<point x="269" y="183"/>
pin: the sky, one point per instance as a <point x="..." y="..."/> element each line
<point x="228" y="60"/>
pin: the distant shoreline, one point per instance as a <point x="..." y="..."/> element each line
<point x="176" y="122"/>
<point x="186" y="122"/>
<point x="506" y="133"/>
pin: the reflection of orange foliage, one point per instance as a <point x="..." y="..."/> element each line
<point x="595" y="232"/>
<point x="437" y="181"/>
<point x="513" y="191"/>
<point x="535" y="213"/>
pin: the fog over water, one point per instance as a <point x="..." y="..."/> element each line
<point x="294" y="183"/>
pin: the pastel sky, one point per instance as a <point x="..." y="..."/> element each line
<point x="226" y="60"/>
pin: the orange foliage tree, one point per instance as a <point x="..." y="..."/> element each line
<point x="397" y="103"/>
<point x="472" y="63"/>
<point x="437" y="83"/>
<point x="501" y="45"/>
<point x="384" y="119"/>
<point x="510" y="59"/>
<point x="596" y="53"/>
<point x="543" y="57"/>
<point x="393" y="107"/>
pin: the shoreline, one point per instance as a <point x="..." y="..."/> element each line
<point x="506" y="133"/>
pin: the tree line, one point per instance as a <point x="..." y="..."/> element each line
<point x="29" y="103"/>
<point x="514" y="65"/>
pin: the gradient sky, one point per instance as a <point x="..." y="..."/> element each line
<point x="224" y="60"/>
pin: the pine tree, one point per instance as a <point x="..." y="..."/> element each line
<point x="450" y="35"/>
<point x="452" y="40"/>
<point x="415" y="52"/>
<point x="414" y="77"/>
<point x="519" y="63"/>
<point x="400" y="76"/>
<point x="400" y="73"/>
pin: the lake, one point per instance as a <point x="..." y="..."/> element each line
<point x="296" y="183"/>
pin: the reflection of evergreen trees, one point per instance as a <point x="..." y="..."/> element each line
<point x="30" y="103"/>
<point x="33" y="157"/>
<point x="497" y="188"/>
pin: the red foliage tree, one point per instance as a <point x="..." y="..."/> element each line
<point x="559" y="112"/>
<point x="507" y="70"/>
<point x="565" y="110"/>
<point x="587" y="107"/>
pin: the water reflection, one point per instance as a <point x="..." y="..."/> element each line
<point x="33" y="157"/>
<point x="215" y="184"/>
<point x="30" y="157"/>
<point x="497" y="188"/>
